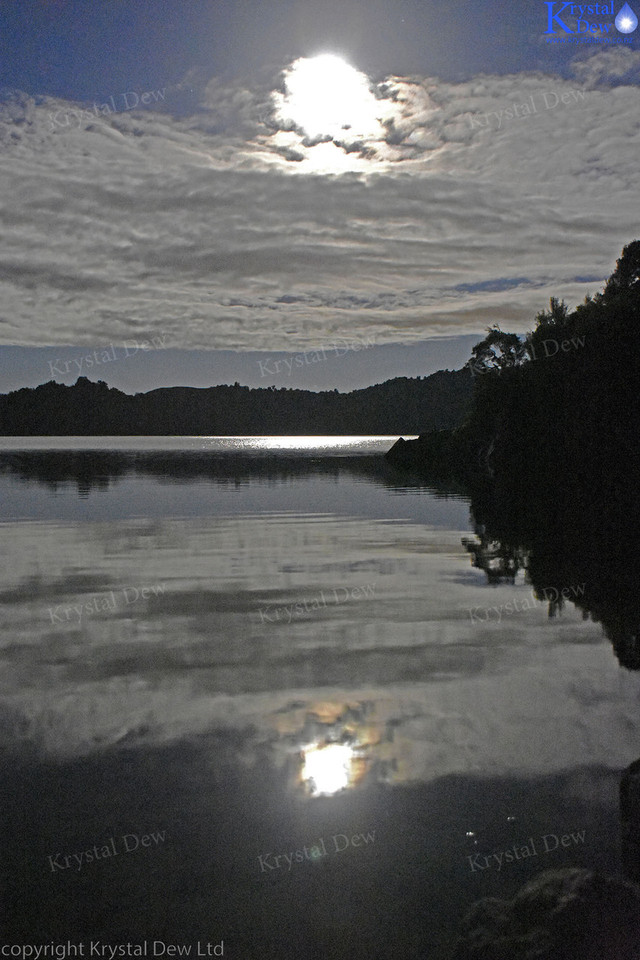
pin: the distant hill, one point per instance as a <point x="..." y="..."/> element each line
<point x="401" y="405"/>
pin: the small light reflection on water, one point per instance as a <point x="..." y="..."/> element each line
<point x="319" y="444"/>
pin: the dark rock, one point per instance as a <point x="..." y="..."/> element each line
<point x="569" y="914"/>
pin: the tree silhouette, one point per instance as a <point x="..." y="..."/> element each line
<point x="497" y="352"/>
<point x="626" y="276"/>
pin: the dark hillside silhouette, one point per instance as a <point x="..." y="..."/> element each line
<point x="93" y="409"/>
<point x="568" y="394"/>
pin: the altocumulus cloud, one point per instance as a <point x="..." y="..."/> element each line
<point x="229" y="229"/>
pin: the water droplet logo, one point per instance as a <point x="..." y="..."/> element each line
<point x="626" y="21"/>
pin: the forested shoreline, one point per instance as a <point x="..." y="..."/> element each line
<point x="550" y="459"/>
<point x="564" y="398"/>
<point x="87" y="408"/>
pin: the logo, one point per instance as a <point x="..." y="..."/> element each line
<point x="626" y="21"/>
<point x="575" y="18"/>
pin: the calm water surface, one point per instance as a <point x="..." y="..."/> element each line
<point x="273" y="660"/>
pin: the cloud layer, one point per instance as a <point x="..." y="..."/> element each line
<point x="477" y="202"/>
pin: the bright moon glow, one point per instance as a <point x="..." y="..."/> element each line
<point x="328" y="97"/>
<point x="328" y="767"/>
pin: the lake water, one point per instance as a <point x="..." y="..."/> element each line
<point x="255" y="692"/>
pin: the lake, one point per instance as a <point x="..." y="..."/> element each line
<point x="257" y="695"/>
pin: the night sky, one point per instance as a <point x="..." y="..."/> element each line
<point x="239" y="184"/>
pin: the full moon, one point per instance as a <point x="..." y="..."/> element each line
<point x="327" y="769"/>
<point x="327" y="97"/>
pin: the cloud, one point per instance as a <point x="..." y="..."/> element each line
<point x="473" y="203"/>
<point x="616" y="66"/>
